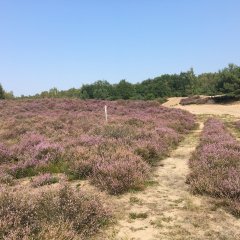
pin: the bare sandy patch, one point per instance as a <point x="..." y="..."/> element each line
<point x="216" y="109"/>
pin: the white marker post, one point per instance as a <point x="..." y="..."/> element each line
<point x="106" y="116"/>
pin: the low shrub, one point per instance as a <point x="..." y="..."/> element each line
<point x="117" y="132"/>
<point x="44" y="179"/>
<point x="215" y="165"/>
<point x="81" y="163"/>
<point x="138" y="215"/>
<point x="32" y="152"/>
<point x="80" y="169"/>
<point x="72" y="137"/>
<point x="59" y="214"/>
<point x="120" y="172"/>
<point x="194" y="100"/>
<point x="227" y="98"/>
<point x="238" y="124"/>
<point x="6" y="155"/>
<point x="168" y="135"/>
<point x="149" y="154"/>
<point x="6" y="178"/>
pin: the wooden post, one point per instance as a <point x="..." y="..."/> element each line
<point x="106" y="115"/>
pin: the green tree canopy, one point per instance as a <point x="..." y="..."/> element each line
<point x="229" y="80"/>
<point x="124" y="90"/>
<point x="2" y="93"/>
<point x="226" y="81"/>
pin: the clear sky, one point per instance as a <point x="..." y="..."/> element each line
<point x="65" y="43"/>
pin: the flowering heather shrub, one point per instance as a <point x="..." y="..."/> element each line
<point x="40" y="132"/>
<point x="151" y="153"/>
<point x="120" y="172"/>
<point x="81" y="169"/>
<point x="81" y="162"/>
<point x="6" y="178"/>
<point x="238" y="124"/>
<point x="32" y="152"/>
<point x="59" y="230"/>
<point x="117" y="132"/>
<point x="135" y="122"/>
<point x="87" y="140"/>
<point x="168" y="134"/>
<point x="37" y="147"/>
<point x="6" y="155"/>
<point x="44" y="179"/>
<point x="194" y="100"/>
<point x="215" y="165"/>
<point x="35" y="216"/>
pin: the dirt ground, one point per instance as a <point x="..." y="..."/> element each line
<point x="216" y="109"/>
<point x="166" y="209"/>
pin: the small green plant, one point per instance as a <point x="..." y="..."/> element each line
<point x="167" y="219"/>
<point x="135" y="200"/>
<point x="157" y="223"/>
<point x="151" y="183"/>
<point x="138" y="215"/>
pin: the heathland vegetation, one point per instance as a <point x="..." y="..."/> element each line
<point x="49" y="139"/>
<point x="52" y="145"/>
<point x="215" y="165"/>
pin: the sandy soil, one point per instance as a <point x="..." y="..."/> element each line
<point x="217" y="109"/>
<point x="169" y="210"/>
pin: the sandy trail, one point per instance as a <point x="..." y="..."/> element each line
<point x="216" y="109"/>
<point x="169" y="210"/>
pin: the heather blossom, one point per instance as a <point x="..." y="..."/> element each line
<point x="53" y="214"/>
<point x="44" y="179"/>
<point x="6" y="154"/>
<point x="215" y="165"/>
<point x="42" y="134"/>
<point x="237" y="124"/>
<point x="42" y="137"/>
<point x="34" y="151"/>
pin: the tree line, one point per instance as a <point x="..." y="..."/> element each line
<point x="225" y="81"/>
<point x="4" y="94"/>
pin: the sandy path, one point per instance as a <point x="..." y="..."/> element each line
<point x="217" y="109"/>
<point x="171" y="211"/>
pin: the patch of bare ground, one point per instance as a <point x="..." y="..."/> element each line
<point x="167" y="210"/>
<point x="216" y="109"/>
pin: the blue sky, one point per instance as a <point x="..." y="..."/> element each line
<point x="65" y="43"/>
